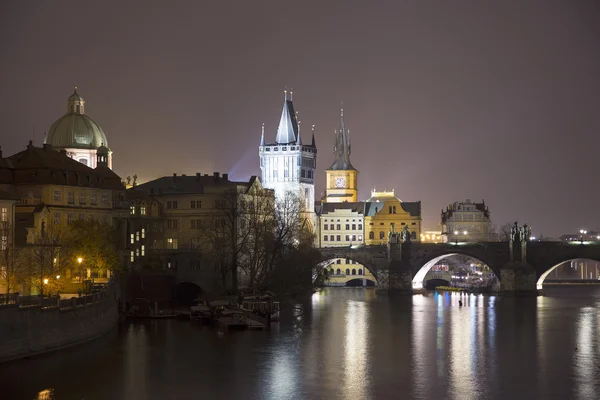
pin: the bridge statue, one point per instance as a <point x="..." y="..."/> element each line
<point x="405" y="235"/>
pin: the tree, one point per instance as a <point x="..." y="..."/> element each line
<point x="44" y="259"/>
<point x="95" y="242"/>
<point x="503" y="234"/>
<point x="11" y="258"/>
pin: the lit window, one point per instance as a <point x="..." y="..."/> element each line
<point x="172" y="243"/>
<point x="143" y="233"/>
<point x="93" y="199"/>
<point x="132" y="209"/>
<point x="137" y="236"/>
<point x="132" y="256"/>
<point x="137" y="252"/>
<point x="57" y="196"/>
<point x="132" y="238"/>
<point x="143" y="250"/>
<point x="4" y="214"/>
<point x="143" y="209"/>
<point x="4" y="242"/>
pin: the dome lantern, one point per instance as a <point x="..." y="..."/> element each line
<point x="75" y="103"/>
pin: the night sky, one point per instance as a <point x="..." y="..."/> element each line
<point x="445" y="100"/>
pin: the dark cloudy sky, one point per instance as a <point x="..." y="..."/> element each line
<point x="446" y="100"/>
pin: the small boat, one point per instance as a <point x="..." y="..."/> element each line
<point x="232" y="319"/>
<point x="262" y="305"/>
<point x="200" y="310"/>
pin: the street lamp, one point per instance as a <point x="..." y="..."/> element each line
<point x="455" y="237"/>
<point x="465" y="233"/>
<point x="583" y="232"/>
<point x="79" y="260"/>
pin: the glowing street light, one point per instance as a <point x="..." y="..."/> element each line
<point x="57" y="276"/>
<point x="583" y="232"/>
<point x="45" y="281"/>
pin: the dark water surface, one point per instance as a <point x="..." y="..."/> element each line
<point x="343" y="344"/>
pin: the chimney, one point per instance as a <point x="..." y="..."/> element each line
<point x="216" y="175"/>
<point x="30" y="145"/>
<point x="183" y="175"/>
<point x="226" y="177"/>
<point x="198" y="175"/>
<point x="63" y="152"/>
<point x="174" y="175"/>
<point x="47" y="146"/>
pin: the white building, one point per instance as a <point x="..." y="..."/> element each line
<point x="341" y="224"/>
<point x="467" y="221"/>
<point x="288" y="165"/>
<point x="78" y="134"/>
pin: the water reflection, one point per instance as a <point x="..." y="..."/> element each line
<point x="586" y="372"/>
<point x="356" y="351"/>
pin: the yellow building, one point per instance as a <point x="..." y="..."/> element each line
<point x="383" y="210"/>
<point x="342" y="177"/>
<point x="343" y="272"/>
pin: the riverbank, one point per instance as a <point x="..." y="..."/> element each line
<point x="29" y="327"/>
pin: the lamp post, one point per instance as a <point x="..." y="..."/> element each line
<point x="465" y="233"/>
<point x="79" y="260"/>
<point x="583" y="232"/>
<point x="455" y="237"/>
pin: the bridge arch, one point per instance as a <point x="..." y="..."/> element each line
<point x="419" y="276"/>
<point x="186" y="292"/>
<point x="544" y="275"/>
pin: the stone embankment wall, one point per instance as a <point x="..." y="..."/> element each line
<point x="29" y="329"/>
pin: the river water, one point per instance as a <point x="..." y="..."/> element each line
<point x="343" y="343"/>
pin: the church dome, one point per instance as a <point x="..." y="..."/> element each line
<point x="75" y="129"/>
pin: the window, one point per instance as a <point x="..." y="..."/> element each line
<point x="371" y="235"/>
<point x="338" y="261"/>
<point x="325" y="227"/>
<point x="4" y="242"/>
<point x="360" y="271"/>
<point x="69" y="218"/>
<point x="347" y="238"/>
<point x="174" y="204"/>
<point x="354" y="238"/>
<point x="131" y="256"/>
<point x="347" y="271"/>
<point x="137" y="252"/>
<point x="360" y="227"/>
<point x="353" y="227"/>
<point x="338" y="272"/>
<point x="104" y="198"/>
<point x="137" y="236"/>
<point x="353" y="271"/>
<point x="394" y="209"/>
<point x="413" y="235"/>
<point x="172" y="243"/>
<point x="143" y="209"/>
<point x="339" y="227"/>
<point x="382" y="235"/>
<point x="220" y="204"/>
<point x="56" y="218"/>
<point x="71" y="197"/>
<point x="196" y="204"/>
<point x="81" y="198"/>
<point x="390" y="210"/>
<point x="414" y="223"/>
<point x="143" y="233"/>
<point x="338" y="238"/>
<point x="169" y="205"/>
<point x="332" y="227"/>
<point x="132" y="209"/>
<point x="4" y="214"/>
<point x="360" y="238"/>
<point x="325" y="238"/>
<point x="132" y="239"/>
<point x="57" y="196"/>
<point x="81" y="216"/>
<point x="143" y="250"/>
<point x="172" y="223"/>
<point x="347" y="227"/>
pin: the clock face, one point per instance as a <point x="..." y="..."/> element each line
<point x="340" y="182"/>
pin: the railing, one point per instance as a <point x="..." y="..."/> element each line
<point x="15" y="299"/>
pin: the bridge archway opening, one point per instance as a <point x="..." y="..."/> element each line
<point x="341" y="271"/>
<point x="360" y="283"/>
<point x="186" y="293"/>
<point x="576" y="270"/>
<point x="456" y="269"/>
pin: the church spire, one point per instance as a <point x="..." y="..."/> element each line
<point x="299" y="141"/>
<point x="313" y="144"/>
<point x="287" y="131"/>
<point x="341" y="148"/>
<point x="262" y="135"/>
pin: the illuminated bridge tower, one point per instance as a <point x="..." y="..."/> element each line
<point x="342" y="177"/>
<point x="288" y="165"/>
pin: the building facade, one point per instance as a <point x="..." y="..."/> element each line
<point x="78" y="134"/>
<point x="344" y="272"/>
<point x="341" y="224"/>
<point x="342" y="178"/>
<point x="288" y="165"/>
<point x="467" y="221"/>
<point x="384" y="210"/>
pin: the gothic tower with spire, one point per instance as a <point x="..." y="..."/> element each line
<point x="288" y="165"/>
<point x="342" y="177"/>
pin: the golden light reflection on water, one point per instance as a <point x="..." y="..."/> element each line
<point x="585" y="355"/>
<point x="46" y="394"/>
<point x="419" y="344"/>
<point x="356" y="351"/>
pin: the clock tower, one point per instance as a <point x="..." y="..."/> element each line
<point x="342" y="177"/>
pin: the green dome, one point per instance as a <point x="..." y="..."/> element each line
<point x="77" y="131"/>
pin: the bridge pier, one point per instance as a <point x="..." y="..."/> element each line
<point x="518" y="277"/>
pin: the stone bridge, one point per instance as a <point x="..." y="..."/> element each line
<point x="520" y="266"/>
